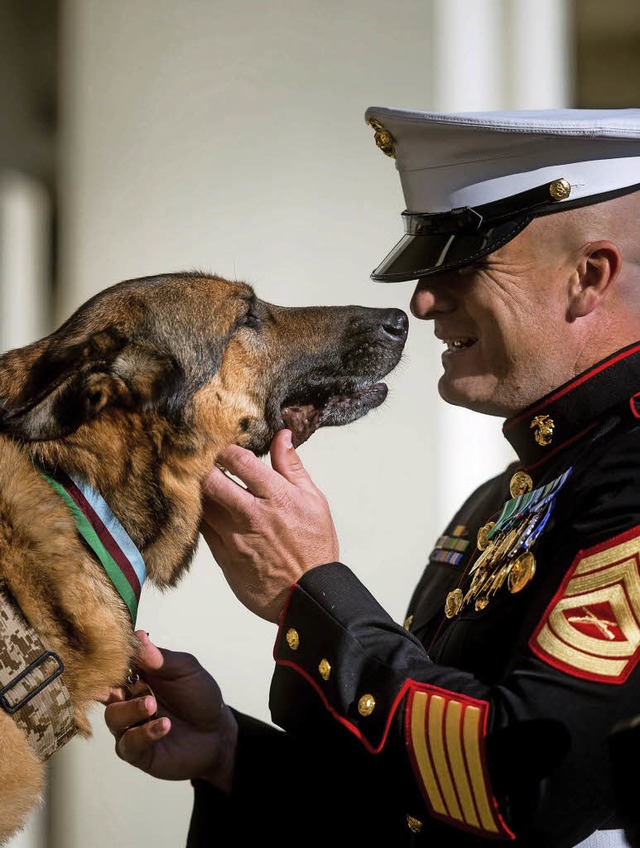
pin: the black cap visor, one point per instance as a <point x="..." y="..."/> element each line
<point x="443" y="241"/>
<point x="419" y="254"/>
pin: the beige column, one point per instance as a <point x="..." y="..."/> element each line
<point x="490" y="54"/>
<point x="25" y="250"/>
<point x="538" y="54"/>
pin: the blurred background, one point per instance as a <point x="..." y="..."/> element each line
<point x="145" y="136"/>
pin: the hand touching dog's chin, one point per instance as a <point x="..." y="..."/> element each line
<point x="301" y="419"/>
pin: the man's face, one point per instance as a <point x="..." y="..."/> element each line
<point x="504" y="322"/>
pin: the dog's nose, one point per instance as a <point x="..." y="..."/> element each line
<point x="395" y="323"/>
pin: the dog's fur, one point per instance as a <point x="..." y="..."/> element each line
<point x="137" y="393"/>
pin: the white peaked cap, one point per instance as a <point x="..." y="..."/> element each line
<point x="472" y="181"/>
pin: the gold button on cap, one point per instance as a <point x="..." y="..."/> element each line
<point x="560" y="189"/>
<point x="366" y="705"/>
<point x="325" y="669"/>
<point x="293" y="640"/>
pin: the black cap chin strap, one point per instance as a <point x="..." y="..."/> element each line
<point x="468" y="220"/>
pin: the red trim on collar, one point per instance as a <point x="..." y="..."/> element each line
<point x="558" y="448"/>
<point x="587" y="375"/>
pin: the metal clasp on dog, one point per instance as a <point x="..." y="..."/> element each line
<point x="136" y="688"/>
<point x="57" y="671"/>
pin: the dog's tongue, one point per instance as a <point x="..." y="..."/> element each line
<point x="302" y="420"/>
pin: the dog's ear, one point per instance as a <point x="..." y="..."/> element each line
<point x="70" y="383"/>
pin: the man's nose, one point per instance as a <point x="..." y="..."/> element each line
<point x="430" y="299"/>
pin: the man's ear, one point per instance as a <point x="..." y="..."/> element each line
<point x="599" y="265"/>
<point x="70" y="383"/>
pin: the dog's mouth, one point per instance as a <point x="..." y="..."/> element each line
<point x="306" y="413"/>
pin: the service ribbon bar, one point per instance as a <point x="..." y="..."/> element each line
<point x="530" y="502"/>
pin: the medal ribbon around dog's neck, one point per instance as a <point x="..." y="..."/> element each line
<point x="104" y="534"/>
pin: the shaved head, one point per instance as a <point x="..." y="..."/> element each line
<point x="597" y="233"/>
<point x="617" y="220"/>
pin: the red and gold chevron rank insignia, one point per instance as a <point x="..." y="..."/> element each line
<point x="591" y="628"/>
<point x="445" y="734"/>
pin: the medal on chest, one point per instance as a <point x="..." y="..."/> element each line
<point x="504" y="546"/>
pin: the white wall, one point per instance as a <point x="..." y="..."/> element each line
<point x="229" y="136"/>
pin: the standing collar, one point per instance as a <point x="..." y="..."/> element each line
<point x="565" y="415"/>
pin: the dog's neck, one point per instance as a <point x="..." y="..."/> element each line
<point x="151" y="483"/>
<point x="105" y="536"/>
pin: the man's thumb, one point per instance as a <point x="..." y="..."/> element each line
<point x="285" y="459"/>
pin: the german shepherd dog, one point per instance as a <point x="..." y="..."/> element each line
<point x="108" y="427"/>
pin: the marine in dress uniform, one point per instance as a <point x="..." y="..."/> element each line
<point x="485" y="716"/>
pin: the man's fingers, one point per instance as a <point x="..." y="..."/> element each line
<point x="260" y="480"/>
<point x="121" y="715"/>
<point x="224" y="491"/>
<point x="112" y="696"/>
<point x="135" y="731"/>
<point x="149" y="657"/>
<point x="285" y="460"/>
<point x="135" y="745"/>
<point x="161" y="663"/>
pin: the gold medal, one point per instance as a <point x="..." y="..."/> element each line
<point x="497" y="580"/>
<point x="483" y="535"/>
<point x="453" y="603"/>
<point x="520" y="484"/>
<point x="521" y="572"/>
<point x="507" y="542"/>
<point x="481" y="603"/>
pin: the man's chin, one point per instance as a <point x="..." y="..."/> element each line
<point x="461" y="393"/>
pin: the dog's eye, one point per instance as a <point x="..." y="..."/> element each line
<point x="250" y="319"/>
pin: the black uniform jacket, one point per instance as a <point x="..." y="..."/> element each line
<point x="483" y="718"/>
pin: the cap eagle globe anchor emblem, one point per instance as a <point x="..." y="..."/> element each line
<point x="383" y="138"/>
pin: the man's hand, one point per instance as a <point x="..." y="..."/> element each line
<point x="194" y="735"/>
<point x="265" y="537"/>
